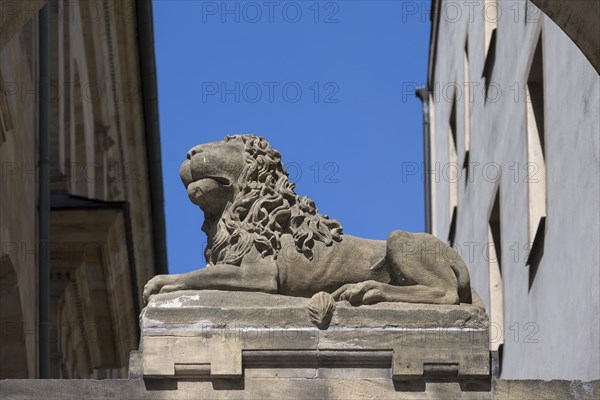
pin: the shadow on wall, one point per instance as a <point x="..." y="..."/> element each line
<point x="13" y="358"/>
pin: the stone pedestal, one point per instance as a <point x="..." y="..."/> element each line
<point x="230" y="337"/>
<point x="287" y="389"/>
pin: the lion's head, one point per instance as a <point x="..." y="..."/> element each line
<point x="243" y="180"/>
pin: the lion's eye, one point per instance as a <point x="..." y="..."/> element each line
<point x="221" y="180"/>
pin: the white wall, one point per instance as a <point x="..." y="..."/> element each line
<point x="561" y="311"/>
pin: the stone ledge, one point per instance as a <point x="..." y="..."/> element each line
<point x="219" y="334"/>
<point x="251" y="388"/>
<point x="186" y="309"/>
<point x="257" y="388"/>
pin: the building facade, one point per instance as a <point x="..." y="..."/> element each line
<point x="513" y="176"/>
<point x="106" y="209"/>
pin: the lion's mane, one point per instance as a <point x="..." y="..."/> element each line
<point x="265" y="208"/>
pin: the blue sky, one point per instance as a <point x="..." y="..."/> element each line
<point x="329" y="84"/>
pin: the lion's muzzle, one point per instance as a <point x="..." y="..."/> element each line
<point x="185" y="173"/>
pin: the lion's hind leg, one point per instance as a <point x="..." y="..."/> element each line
<point x="418" y="272"/>
<point x="419" y="265"/>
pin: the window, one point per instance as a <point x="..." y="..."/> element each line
<point x="495" y="276"/>
<point x="488" y="67"/>
<point x="453" y="171"/>
<point x="467" y="104"/>
<point x="452" y="230"/>
<point x="536" y="160"/>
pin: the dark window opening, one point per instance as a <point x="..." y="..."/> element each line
<point x="535" y="98"/>
<point x="536" y="161"/>
<point x="537" y="251"/>
<point x="453" y="167"/>
<point x="453" y="123"/>
<point x="495" y="228"/>
<point x="466" y="167"/>
<point x="488" y="67"/>
<point x="452" y="230"/>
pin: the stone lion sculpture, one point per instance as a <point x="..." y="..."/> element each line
<point x="263" y="237"/>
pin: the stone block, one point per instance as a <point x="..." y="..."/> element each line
<point x="292" y="388"/>
<point x="217" y="334"/>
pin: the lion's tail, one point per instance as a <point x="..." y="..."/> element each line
<point x="466" y="294"/>
<point x="464" y="283"/>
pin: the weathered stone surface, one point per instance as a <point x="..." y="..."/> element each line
<point x="218" y="334"/>
<point x="295" y="388"/>
<point x="546" y="390"/>
<point x="136" y="369"/>
<point x="184" y="310"/>
<point x="249" y="388"/>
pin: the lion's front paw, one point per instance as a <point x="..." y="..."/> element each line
<point x="367" y="292"/>
<point x="158" y="284"/>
